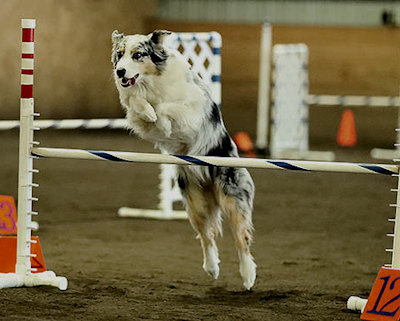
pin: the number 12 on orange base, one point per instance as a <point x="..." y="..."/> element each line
<point x="384" y="300"/>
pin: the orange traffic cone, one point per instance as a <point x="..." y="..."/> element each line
<point x="244" y="144"/>
<point x="8" y="250"/>
<point x="347" y="136"/>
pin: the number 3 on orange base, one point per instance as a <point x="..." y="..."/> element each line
<point x="384" y="300"/>
<point x="8" y="215"/>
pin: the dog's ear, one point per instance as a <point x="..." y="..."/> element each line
<point x="116" y="37"/>
<point x="158" y="36"/>
<point x="159" y="54"/>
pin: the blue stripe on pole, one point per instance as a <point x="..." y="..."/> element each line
<point x="378" y="169"/>
<point x="193" y="160"/>
<point x="107" y="156"/>
<point x="288" y="166"/>
<point x="216" y="51"/>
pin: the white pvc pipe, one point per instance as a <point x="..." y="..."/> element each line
<point x="354" y="101"/>
<point x="25" y="183"/>
<point x="264" y="87"/>
<point x="115" y="123"/>
<point x="398" y="133"/>
<point x="355" y="303"/>
<point x="396" y="233"/>
<point x="152" y="214"/>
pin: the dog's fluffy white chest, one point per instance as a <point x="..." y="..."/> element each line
<point x="168" y="109"/>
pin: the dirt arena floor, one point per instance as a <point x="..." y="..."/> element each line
<point x="320" y="237"/>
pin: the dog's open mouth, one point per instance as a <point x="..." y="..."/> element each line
<point x="127" y="82"/>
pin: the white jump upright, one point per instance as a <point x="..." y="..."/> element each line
<point x="290" y="113"/>
<point x="23" y="275"/>
<point x="203" y="51"/>
<point x="264" y="88"/>
<point x="282" y="131"/>
<point x="382" y="153"/>
<point x="356" y="303"/>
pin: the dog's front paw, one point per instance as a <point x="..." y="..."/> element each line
<point x="164" y="125"/>
<point x="211" y="269"/>
<point x="149" y="115"/>
<point x="143" y="110"/>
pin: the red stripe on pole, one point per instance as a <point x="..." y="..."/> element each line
<point x="28" y="35"/>
<point x="26" y="91"/>
<point x="27" y="71"/>
<point x="27" y="56"/>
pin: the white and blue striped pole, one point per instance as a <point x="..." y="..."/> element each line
<point x="305" y="166"/>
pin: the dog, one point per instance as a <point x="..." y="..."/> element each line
<point x="169" y="105"/>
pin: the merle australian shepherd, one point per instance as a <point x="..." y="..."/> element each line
<point x="169" y="105"/>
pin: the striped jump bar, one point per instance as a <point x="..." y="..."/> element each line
<point x="354" y="101"/>
<point x="216" y="161"/>
<point x="99" y="123"/>
<point x="28" y="51"/>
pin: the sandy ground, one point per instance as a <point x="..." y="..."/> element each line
<point x="320" y="237"/>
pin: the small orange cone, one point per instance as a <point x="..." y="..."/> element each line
<point x="244" y="144"/>
<point x="347" y="136"/>
<point x="8" y="250"/>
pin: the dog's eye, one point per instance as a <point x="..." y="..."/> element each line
<point x="139" y="55"/>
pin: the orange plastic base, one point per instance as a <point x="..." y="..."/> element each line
<point x="8" y="250"/>
<point x="384" y="300"/>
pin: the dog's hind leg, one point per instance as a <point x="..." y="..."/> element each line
<point x="205" y="218"/>
<point x="242" y="228"/>
<point x="236" y="204"/>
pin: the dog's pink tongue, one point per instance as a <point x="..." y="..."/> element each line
<point x="128" y="82"/>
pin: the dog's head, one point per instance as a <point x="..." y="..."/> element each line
<point x="136" y="56"/>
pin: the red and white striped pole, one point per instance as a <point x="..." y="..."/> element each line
<point x="28" y="51"/>
<point x="25" y="179"/>
<point x="23" y="275"/>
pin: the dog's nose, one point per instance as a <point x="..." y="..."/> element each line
<point x="121" y="72"/>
